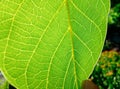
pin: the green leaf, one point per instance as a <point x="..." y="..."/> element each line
<point x="51" y="44"/>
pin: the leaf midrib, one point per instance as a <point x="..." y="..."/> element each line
<point x="72" y="46"/>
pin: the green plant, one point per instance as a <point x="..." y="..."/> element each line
<point x="114" y="16"/>
<point x="51" y="44"/>
<point x="107" y="71"/>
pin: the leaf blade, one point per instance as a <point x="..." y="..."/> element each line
<point x="52" y="51"/>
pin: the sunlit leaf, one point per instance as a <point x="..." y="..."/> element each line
<point x="51" y="44"/>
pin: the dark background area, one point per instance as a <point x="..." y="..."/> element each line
<point x="113" y="33"/>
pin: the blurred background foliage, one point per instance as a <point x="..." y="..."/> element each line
<point x="113" y="33"/>
<point x="107" y="71"/>
<point x="114" y="16"/>
<point x="106" y="74"/>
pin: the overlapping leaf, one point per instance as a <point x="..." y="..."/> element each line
<point x="51" y="44"/>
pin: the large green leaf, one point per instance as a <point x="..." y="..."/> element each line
<point x="51" y="44"/>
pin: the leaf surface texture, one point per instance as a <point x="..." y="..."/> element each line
<point x="51" y="44"/>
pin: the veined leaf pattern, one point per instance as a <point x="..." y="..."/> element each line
<point x="51" y="44"/>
